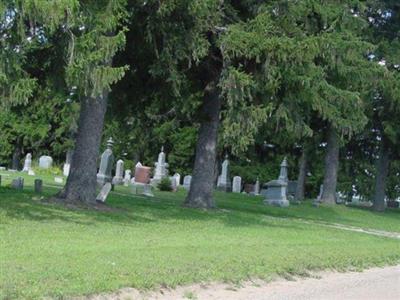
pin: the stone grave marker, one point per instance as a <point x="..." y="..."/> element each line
<point x="67" y="165"/>
<point x="45" y="162"/>
<point x="127" y="177"/>
<point x="38" y="185"/>
<point x="178" y="179"/>
<point x="276" y="193"/>
<point x="237" y="184"/>
<point x="161" y="170"/>
<point x="106" y="162"/>
<point x="119" y="172"/>
<point x="224" y="181"/>
<point x="27" y="163"/>
<point x="105" y="190"/>
<point x="17" y="183"/>
<point x="187" y="180"/>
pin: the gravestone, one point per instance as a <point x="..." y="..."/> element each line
<point x="283" y="174"/>
<point x="127" y="177"/>
<point x="161" y="170"/>
<point x="27" y="163"/>
<point x="119" y="172"/>
<point x="237" y="184"/>
<point x="292" y="186"/>
<point x="177" y="179"/>
<point x="2" y="168"/>
<point x="142" y="179"/>
<point x="58" y="180"/>
<point x="45" y="162"/>
<point x="142" y="174"/>
<point x="67" y="165"/>
<point x="257" y="187"/>
<point x="147" y="191"/>
<point x="31" y="172"/>
<point x="38" y="185"/>
<point x="187" y="180"/>
<point x="224" y="181"/>
<point x="106" y="162"/>
<point x="174" y="185"/>
<point x="105" y="190"/>
<point x="276" y="192"/>
<point x="17" y="183"/>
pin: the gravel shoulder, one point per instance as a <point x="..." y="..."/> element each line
<point x="376" y="283"/>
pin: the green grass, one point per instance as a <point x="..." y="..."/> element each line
<point x="49" y="251"/>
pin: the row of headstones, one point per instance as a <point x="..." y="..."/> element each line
<point x="45" y="162"/>
<point x="18" y="184"/>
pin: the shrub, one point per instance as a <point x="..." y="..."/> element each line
<point x="165" y="184"/>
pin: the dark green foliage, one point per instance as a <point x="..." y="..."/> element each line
<point x="165" y="185"/>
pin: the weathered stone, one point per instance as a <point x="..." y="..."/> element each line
<point x="38" y="185"/>
<point x="28" y="163"/>
<point x="127" y="177"/>
<point x="105" y="190"/>
<point x="17" y="183"/>
<point x="237" y="184"/>
<point x="276" y="193"/>
<point x="292" y="186"/>
<point x="177" y="179"/>
<point x="147" y="190"/>
<point x="107" y="160"/>
<point x="67" y="165"/>
<point x="283" y="174"/>
<point x="187" y="181"/>
<point x="161" y="170"/>
<point x="119" y="172"/>
<point x="142" y="174"/>
<point x="45" y="162"/>
<point x="257" y="188"/>
<point x="174" y="185"/>
<point x="224" y="181"/>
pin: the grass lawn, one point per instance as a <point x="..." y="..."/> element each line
<point x="49" y="251"/>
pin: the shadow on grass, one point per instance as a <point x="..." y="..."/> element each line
<point x="233" y="210"/>
<point x="131" y="210"/>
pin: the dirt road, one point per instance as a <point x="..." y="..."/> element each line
<point x="372" y="284"/>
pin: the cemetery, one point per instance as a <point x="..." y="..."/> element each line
<point x="199" y="149"/>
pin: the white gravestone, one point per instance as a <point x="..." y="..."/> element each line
<point x="45" y="162"/>
<point x="237" y="184"/>
<point x="127" y="177"/>
<point x="107" y="160"/>
<point x="119" y="172"/>
<point x="174" y="185"/>
<point x="224" y="182"/>
<point x="283" y="174"/>
<point x="27" y="163"/>
<point x="161" y="170"/>
<point x="105" y="190"/>
<point x="257" y="188"/>
<point x="187" y="181"/>
<point x="67" y="165"/>
<point x="177" y="179"/>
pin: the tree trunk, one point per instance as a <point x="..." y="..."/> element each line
<point x="301" y="179"/>
<point x="382" y="170"/>
<point x="202" y="185"/>
<point x="16" y="157"/>
<point x="81" y="183"/>
<point x="331" y="167"/>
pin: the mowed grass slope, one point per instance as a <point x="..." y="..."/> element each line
<point x="49" y="251"/>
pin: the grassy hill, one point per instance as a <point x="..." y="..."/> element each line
<point x="50" y="251"/>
